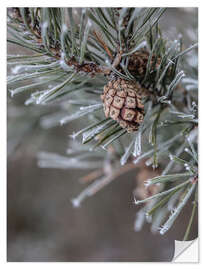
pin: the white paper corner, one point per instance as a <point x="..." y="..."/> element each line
<point x="186" y="251"/>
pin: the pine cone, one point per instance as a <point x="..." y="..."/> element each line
<point x="138" y="63"/>
<point x="122" y="102"/>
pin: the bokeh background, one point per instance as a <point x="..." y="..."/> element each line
<point x="42" y="224"/>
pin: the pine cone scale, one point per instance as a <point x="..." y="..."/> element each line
<point x="122" y="102"/>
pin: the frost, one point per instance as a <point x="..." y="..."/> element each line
<point x="163" y="230"/>
<point x="51" y="120"/>
<point x="94" y="131"/>
<point x="75" y="203"/>
<point x="64" y="66"/>
<point x="89" y="23"/>
<point x="107" y="61"/>
<point x="147" y="183"/>
<point x="154" y="166"/>
<point x="176" y="211"/>
<point x="91" y="190"/>
<point x="64" y="28"/>
<point x="139" y="221"/>
<point x="172" y="200"/>
<point x="148" y="218"/>
<point x="127" y="153"/>
<point x="171" y="157"/>
<point x="135" y="201"/>
<point x="137" y="146"/>
<point x="190" y="81"/>
<point x="16" y="69"/>
<point x="45" y="25"/>
<point x="78" y="114"/>
<point x="74" y="135"/>
<point x="52" y="160"/>
<point x="149" y="162"/>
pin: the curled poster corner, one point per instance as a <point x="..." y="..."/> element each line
<point x="186" y="251"/>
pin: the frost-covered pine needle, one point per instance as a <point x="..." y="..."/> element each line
<point x="84" y="111"/>
<point x="91" y="190"/>
<point x="176" y="211"/>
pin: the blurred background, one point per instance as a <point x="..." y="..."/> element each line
<point x="42" y="224"/>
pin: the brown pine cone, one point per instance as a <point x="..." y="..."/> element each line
<point x="123" y="102"/>
<point x="138" y="63"/>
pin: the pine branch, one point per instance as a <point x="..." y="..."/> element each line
<point x="74" y="58"/>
